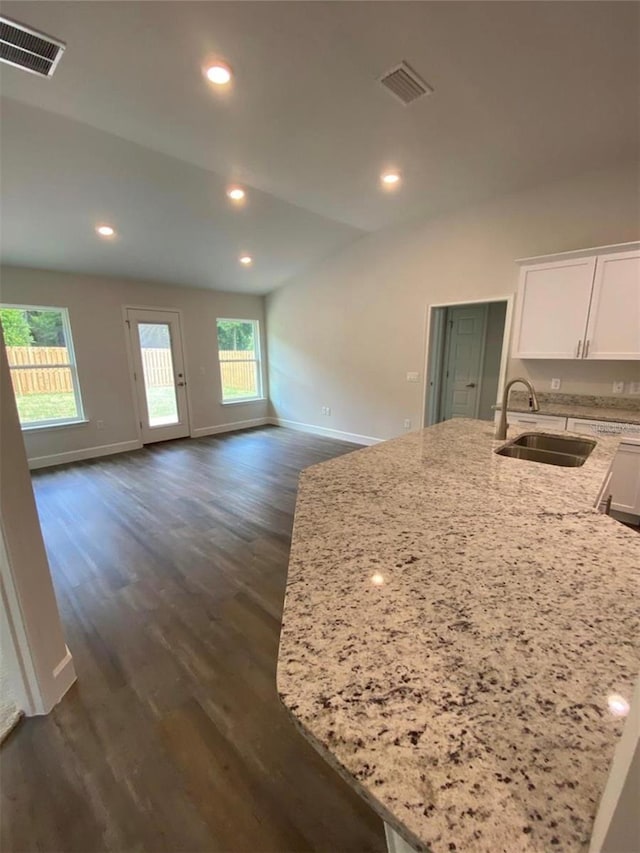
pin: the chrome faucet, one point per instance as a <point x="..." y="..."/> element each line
<point x="501" y="429"/>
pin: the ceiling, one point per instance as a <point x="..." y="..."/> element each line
<point x="129" y="132"/>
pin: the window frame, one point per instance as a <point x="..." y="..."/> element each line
<point x="72" y="366"/>
<point x="257" y="359"/>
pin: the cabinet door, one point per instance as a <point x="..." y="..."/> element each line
<point x="625" y="480"/>
<point x="553" y="306"/>
<point x="523" y="419"/>
<point x="613" y="331"/>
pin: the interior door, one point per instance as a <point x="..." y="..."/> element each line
<point x="159" y="374"/>
<point x="464" y="353"/>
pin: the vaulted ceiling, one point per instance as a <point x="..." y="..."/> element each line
<point x="129" y="132"/>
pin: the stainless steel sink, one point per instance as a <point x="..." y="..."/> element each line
<point x="555" y="443"/>
<point x="549" y="449"/>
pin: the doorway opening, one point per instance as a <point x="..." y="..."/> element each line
<point x="467" y="348"/>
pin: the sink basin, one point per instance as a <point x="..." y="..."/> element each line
<point x="555" y="443"/>
<point x="549" y="449"/>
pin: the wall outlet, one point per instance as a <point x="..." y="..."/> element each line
<point x="326" y="410"/>
<point x="99" y="424"/>
<point x="618" y="387"/>
<point x="407" y="423"/>
<point x="555" y="384"/>
<point x="413" y="376"/>
<point x="634" y="387"/>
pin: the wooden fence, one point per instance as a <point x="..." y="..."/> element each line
<point x="40" y="380"/>
<point x="39" y="376"/>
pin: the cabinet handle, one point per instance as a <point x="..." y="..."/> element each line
<point x="579" y="348"/>
<point x="586" y="348"/>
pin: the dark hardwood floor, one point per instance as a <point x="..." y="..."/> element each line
<point x="170" y="566"/>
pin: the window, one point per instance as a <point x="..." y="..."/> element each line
<point x="42" y="364"/>
<point x="239" y="354"/>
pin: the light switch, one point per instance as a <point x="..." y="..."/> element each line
<point x="634" y="387"/>
<point x="413" y="376"/>
<point x="555" y="384"/>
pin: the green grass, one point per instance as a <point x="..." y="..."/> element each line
<point x="230" y="392"/>
<point x="46" y="407"/>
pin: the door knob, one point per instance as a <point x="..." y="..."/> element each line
<point x="471" y="385"/>
<point x="180" y="383"/>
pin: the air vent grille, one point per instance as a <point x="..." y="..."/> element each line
<point x="25" y="48"/>
<point x="404" y="84"/>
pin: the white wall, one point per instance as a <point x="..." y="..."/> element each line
<point x="95" y="306"/>
<point x="345" y="334"/>
<point x="41" y="667"/>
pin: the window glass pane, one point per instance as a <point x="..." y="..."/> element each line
<point x="239" y="379"/>
<point x="239" y="367"/>
<point x="235" y="336"/>
<point x="159" y="379"/>
<point x="44" y="394"/>
<point x="37" y="349"/>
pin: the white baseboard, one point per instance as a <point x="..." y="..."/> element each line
<point x="86" y="453"/>
<point x="354" y="437"/>
<point x="64" y="676"/>
<point x="214" y="430"/>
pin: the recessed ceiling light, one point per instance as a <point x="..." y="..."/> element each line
<point x="218" y="73"/>
<point x="105" y="230"/>
<point x="246" y="260"/>
<point x="236" y="193"/>
<point x="390" y="179"/>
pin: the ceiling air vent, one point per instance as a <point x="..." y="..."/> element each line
<point x="26" y="48"/>
<point x="403" y="82"/>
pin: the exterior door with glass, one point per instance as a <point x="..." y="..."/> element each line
<point x="159" y="374"/>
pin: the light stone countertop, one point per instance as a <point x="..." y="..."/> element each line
<point x="455" y="626"/>
<point x="621" y="409"/>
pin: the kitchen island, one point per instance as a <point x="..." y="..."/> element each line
<point x="460" y="637"/>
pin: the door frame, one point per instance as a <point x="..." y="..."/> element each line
<point x="130" y="362"/>
<point x="433" y="365"/>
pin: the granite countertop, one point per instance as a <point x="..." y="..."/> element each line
<point x="622" y="409"/>
<point x="456" y="627"/>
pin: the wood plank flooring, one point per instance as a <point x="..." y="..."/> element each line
<point x="170" y="566"/>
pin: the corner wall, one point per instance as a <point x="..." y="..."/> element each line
<point x="95" y="306"/>
<point x="345" y="334"/>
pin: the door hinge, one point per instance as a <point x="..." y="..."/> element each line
<point x="140" y="422"/>
<point x="135" y="376"/>
<point x="128" y="322"/>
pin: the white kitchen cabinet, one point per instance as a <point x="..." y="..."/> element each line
<point x="524" y="419"/>
<point x="624" y="482"/>
<point x="581" y="305"/>
<point x="624" y="486"/>
<point x="553" y="308"/>
<point x="613" y="330"/>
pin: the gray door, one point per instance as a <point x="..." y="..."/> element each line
<point x="463" y="357"/>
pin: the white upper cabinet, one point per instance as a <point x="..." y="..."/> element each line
<point x="583" y="305"/>
<point x="553" y="306"/>
<point x="613" y="330"/>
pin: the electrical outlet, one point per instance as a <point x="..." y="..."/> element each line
<point x="407" y="423"/>
<point x="413" y="376"/>
<point x="634" y="387"/>
<point x="555" y="384"/>
<point x="326" y="410"/>
<point x="618" y="387"/>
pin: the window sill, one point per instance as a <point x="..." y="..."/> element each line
<point x="60" y="425"/>
<point x="243" y="402"/>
